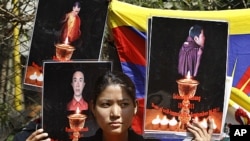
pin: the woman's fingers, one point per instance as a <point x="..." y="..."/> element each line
<point x="38" y="135"/>
<point x="201" y="129"/>
<point x="192" y="129"/>
<point x="34" y="134"/>
<point x="200" y="133"/>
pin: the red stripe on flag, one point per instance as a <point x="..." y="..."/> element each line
<point x="130" y="45"/>
<point x="244" y="82"/>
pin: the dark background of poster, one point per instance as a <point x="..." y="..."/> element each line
<point x="57" y="92"/>
<point x="48" y="24"/>
<point x="167" y="37"/>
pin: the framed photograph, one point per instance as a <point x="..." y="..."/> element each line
<point x="186" y="75"/>
<point x="67" y="91"/>
<point x="64" y="30"/>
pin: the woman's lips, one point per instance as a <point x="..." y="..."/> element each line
<point x="115" y="124"/>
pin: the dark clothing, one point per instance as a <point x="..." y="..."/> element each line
<point x="27" y="130"/>
<point x="188" y="57"/>
<point x="132" y="136"/>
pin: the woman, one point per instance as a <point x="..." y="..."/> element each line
<point x="113" y="106"/>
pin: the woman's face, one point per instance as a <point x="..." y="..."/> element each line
<point x="114" y="110"/>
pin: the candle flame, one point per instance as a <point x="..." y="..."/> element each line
<point x="158" y="117"/>
<point x="40" y="77"/>
<point x="164" y="118"/>
<point x="157" y="120"/>
<point x="173" y="121"/>
<point x="173" y="118"/>
<point x="77" y="110"/>
<point x="33" y="76"/>
<point x="66" y="40"/>
<point x="188" y="75"/>
<point x="214" y="126"/>
<point x="204" y="123"/>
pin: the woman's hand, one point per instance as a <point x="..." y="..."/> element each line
<point x="201" y="134"/>
<point x="38" y="135"/>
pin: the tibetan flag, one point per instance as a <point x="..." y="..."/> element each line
<point x="128" y="24"/>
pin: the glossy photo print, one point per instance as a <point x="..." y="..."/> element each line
<point x="65" y="30"/>
<point x="186" y="75"/>
<point x="67" y="92"/>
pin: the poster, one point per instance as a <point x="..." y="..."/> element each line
<point x="64" y="30"/>
<point x="67" y="91"/>
<point x="186" y="75"/>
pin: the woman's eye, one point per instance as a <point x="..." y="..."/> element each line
<point x="105" y="105"/>
<point x="124" y="105"/>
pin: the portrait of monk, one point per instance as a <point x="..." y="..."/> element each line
<point x="71" y="25"/>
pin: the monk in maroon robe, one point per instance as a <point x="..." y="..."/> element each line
<point x="191" y="51"/>
<point x="71" y="27"/>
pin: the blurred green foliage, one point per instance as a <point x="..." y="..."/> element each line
<point x="192" y="4"/>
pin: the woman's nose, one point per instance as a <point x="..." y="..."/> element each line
<point x="115" y="110"/>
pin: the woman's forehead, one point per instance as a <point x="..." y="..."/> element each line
<point x="115" y="92"/>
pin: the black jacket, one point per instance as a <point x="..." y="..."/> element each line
<point x="132" y="136"/>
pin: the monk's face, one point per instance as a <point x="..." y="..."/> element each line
<point x="200" y="40"/>
<point x="76" y="10"/>
<point x="78" y="83"/>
